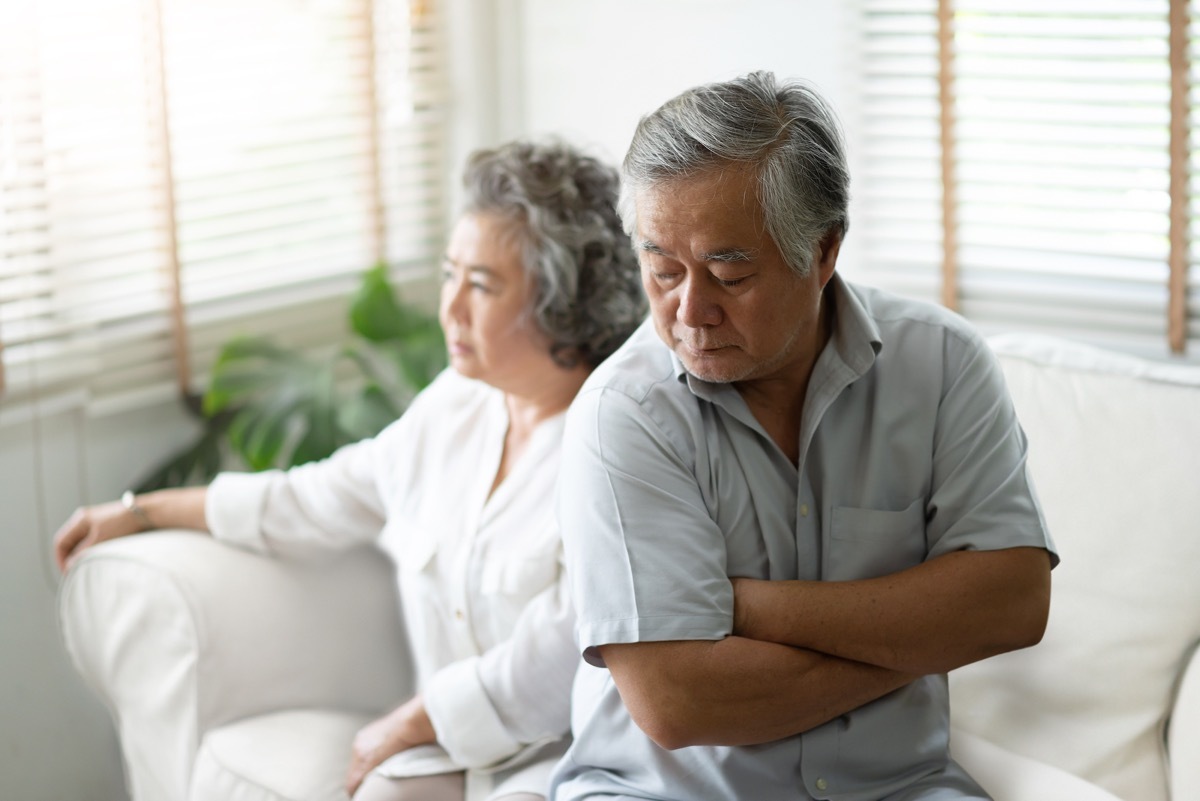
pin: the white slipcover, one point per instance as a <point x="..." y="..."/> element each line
<point x="200" y="648"/>
<point x="239" y="677"/>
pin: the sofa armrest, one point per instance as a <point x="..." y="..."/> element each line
<point x="179" y="633"/>
<point x="1183" y="733"/>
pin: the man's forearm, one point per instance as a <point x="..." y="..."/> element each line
<point x="937" y="616"/>
<point x="738" y="691"/>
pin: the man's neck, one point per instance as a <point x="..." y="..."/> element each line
<point x="777" y="401"/>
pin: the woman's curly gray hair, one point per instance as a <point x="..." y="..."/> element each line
<point x="587" y="290"/>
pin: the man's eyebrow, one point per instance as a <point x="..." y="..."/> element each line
<point x="728" y="255"/>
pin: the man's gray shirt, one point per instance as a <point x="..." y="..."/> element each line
<point x="909" y="449"/>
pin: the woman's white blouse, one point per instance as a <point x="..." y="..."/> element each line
<point x="481" y="579"/>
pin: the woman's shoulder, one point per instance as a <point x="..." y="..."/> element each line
<point x="435" y="439"/>
<point x="450" y="401"/>
<point x="452" y="390"/>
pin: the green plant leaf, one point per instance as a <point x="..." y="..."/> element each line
<point x="375" y="314"/>
<point x="367" y="413"/>
<point x="278" y="407"/>
<point x="258" y="431"/>
<point x="277" y="392"/>
<point x="319" y="440"/>
<point x="195" y="463"/>
<point x="250" y="367"/>
<point x="419" y="358"/>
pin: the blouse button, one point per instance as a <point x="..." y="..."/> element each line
<point x="822" y="784"/>
<point x="458" y="614"/>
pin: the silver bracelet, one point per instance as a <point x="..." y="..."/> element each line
<point x="129" y="501"/>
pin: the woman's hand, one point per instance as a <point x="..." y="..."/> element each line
<point x="403" y="728"/>
<point x="90" y="525"/>
<point x="172" y="508"/>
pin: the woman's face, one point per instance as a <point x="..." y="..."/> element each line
<point x="483" y="312"/>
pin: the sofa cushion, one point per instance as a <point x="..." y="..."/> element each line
<point x="299" y="755"/>
<point x="1115" y="456"/>
<point x="1012" y="777"/>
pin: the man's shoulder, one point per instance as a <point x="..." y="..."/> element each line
<point x="898" y="317"/>
<point x="638" y="392"/>
<point x="639" y="370"/>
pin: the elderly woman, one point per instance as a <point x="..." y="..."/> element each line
<point x="539" y="286"/>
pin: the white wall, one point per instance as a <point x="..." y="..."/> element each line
<point x="584" y="69"/>
<point x="590" y="70"/>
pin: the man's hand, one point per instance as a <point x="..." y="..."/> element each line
<point x="402" y="728"/>
<point x="737" y="691"/>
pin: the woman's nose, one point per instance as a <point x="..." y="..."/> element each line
<point x="454" y="298"/>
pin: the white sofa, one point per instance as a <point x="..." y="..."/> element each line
<point x="232" y="676"/>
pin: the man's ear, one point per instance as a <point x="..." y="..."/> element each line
<point x="826" y="256"/>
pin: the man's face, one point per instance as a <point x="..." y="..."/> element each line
<point x="722" y="296"/>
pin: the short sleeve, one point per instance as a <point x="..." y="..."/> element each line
<point x="982" y="496"/>
<point x="646" y="560"/>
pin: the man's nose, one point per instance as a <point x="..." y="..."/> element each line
<point x="697" y="307"/>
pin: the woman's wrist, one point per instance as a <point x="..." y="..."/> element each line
<point x="415" y="726"/>
<point x="135" y="509"/>
<point x="172" y="508"/>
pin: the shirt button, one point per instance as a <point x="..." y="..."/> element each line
<point x="458" y="614"/>
<point x="822" y="784"/>
<point x="804" y="510"/>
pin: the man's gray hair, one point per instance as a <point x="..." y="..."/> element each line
<point x="587" y="289"/>
<point x="786" y="131"/>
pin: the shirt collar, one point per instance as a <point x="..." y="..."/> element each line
<point x="856" y="337"/>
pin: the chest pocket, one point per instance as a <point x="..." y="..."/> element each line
<point x="508" y="581"/>
<point x="868" y="543"/>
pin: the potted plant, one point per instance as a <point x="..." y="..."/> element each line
<point x="273" y="406"/>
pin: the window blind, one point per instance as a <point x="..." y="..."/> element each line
<point x="1059" y="163"/>
<point x="1191" y="278"/>
<point x="898" y="184"/>
<point x="231" y="165"/>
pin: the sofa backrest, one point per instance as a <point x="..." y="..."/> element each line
<point x="1115" y="456"/>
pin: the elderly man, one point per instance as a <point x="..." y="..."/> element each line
<point x="792" y="504"/>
